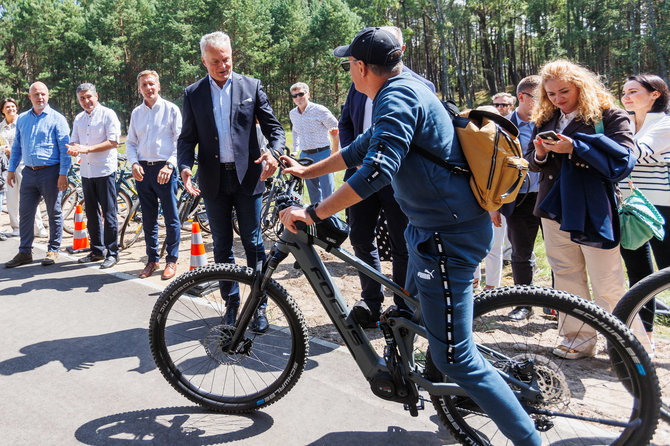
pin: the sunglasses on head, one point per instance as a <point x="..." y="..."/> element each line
<point x="298" y="95"/>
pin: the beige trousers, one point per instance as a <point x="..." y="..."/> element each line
<point x="570" y="263"/>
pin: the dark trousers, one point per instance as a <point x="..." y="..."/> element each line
<point x="639" y="263"/>
<point x="363" y="218"/>
<point x="248" y="211"/>
<point x="100" y="194"/>
<point x="150" y="192"/>
<point x="35" y="185"/>
<point x="522" y="227"/>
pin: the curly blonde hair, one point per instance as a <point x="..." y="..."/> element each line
<point x="593" y="96"/>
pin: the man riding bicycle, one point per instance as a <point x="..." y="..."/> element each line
<point x="448" y="232"/>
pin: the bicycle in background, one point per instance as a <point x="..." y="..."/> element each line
<point x="650" y="299"/>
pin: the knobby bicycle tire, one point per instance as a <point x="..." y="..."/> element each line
<point x="634" y="303"/>
<point x="187" y="333"/>
<point x="619" y="384"/>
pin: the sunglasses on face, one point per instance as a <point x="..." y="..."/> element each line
<point x="298" y="95"/>
<point x="501" y="105"/>
<point x="345" y="66"/>
<point x="528" y="94"/>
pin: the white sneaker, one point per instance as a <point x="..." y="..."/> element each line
<point x="16" y="233"/>
<point x="42" y="234"/>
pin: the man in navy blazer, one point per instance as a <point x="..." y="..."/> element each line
<point x="219" y="116"/>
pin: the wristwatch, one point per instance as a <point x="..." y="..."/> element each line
<point x="170" y="165"/>
<point x="311" y="211"/>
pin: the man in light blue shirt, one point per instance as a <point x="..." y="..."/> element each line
<point x="41" y="136"/>
<point x="522" y="225"/>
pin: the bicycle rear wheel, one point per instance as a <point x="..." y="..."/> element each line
<point x="649" y="299"/>
<point x="123" y="205"/>
<point x="68" y="207"/>
<point x="131" y="229"/>
<point x="612" y="398"/>
<point x="188" y="341"/>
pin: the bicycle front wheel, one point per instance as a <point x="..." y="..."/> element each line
<point x="188" y="341"/>
<point x="650" y="299"/>
<point x="612" y="398"/>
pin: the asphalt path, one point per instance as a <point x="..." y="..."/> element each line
<point x="76" y="368"/>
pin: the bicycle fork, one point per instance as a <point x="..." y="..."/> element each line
<point x="262" y="274"/>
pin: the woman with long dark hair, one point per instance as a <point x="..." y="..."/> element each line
<point x="646" y="97"/>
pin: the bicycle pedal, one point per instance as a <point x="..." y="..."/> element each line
<point x="414" y="408"/>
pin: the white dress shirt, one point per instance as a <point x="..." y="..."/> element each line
<point x="93" y="128"/>
<point x="153" y="132"/>
<point x="221" y="106"/>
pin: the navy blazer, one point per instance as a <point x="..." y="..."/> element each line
<point x="248" y="102"/>
<point x="578" y="191"/>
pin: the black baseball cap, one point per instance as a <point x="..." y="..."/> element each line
<point x="373" y="46"/>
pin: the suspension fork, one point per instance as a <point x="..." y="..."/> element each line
<point x="261" y="277"/>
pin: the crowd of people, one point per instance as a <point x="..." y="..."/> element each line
<point x="434" y="223"/>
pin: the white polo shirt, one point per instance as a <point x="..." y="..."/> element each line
<point x="100" y="125"/>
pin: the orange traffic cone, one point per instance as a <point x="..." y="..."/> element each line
<point x="198" y="259"/>
<point x="198" y="256"/>
<point x="80" y="241"/>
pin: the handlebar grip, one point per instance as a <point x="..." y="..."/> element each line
<point x="300" y="225"/>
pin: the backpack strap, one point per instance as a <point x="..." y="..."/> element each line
<point x="456" y="170"/>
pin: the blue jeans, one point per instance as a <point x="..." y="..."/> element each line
<point x="35" y="185"/>
<point x="248" y="211"/>
<point x="100" y="193"/>
<point x="441" y="270"/>
<point x="363" y="217"/>
<point x="149" y="192"/>
<point x="321" y="187"/>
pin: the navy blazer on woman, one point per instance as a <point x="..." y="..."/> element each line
<point x="248" y="102"/>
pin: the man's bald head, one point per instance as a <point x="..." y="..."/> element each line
<point x="37" y="84"/>
<point x="39" y="96"/>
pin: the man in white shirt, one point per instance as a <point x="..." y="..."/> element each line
<point x="312" y="123"/>
<point x="151" y="147"/>
<point x="95" y="137"/>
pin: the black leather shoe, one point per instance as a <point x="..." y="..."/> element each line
<point x="364" y="316"/>
<point x="109" y="262"/>
<point x="91" y="257"/>
<point x="231" y="315"/>
<point x="520" y="313"/>
<point x="20" y="259"/>
<point x="259" y="324"/>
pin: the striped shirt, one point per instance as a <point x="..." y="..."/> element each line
<point x="651" y="174"/>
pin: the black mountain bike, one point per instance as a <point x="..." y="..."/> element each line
<point x="612" y="398"/>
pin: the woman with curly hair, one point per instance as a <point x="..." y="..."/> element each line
<point x="576" y="201"/>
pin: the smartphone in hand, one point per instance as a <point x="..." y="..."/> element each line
<point x="549" y="137"/>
